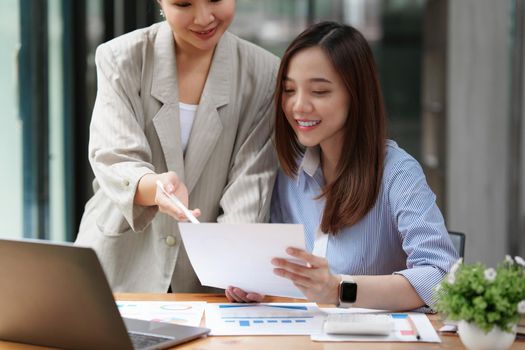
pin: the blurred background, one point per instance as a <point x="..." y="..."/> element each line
<point x="451" y="71"/>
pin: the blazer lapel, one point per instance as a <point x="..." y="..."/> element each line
<point x="207" y="126"/>
<point x="164" y="88"/>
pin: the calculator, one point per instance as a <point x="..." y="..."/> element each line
<point x="355" y="323"/>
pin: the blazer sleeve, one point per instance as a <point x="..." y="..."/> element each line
<point x="119" y="152"/>
<point x="421" y="227"/>
<point x="250" y="181"/>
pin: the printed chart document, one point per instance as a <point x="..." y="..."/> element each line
<point x="183" y="313"/>
<point x="403" y="331"/>
<point x="264" y="319"/>
<point x="240" y="255"/>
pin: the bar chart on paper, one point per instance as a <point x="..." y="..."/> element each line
<point x="264" y="319"/>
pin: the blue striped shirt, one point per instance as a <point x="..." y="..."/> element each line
<point x="404" y="233"/>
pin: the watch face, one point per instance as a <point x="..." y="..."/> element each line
<point x="348" y="292"/>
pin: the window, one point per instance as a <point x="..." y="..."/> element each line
<point x="11" y="130"/>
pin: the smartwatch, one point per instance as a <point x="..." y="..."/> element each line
<point x="347" y="292"/>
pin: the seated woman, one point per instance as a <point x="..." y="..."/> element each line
<point x="374" y="235"/>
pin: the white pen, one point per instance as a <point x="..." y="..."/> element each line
<point x="178" y="204"/>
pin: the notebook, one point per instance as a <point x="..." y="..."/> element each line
<point x="57" y="295"/>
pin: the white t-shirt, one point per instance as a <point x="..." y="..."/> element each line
<point x="187" y="115"/>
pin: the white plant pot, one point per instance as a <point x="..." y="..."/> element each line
<point x="475" y="339"/>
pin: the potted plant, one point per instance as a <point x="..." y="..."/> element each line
<point x="487" y="302"/>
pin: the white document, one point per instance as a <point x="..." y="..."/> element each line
<point x="403" y="332"/>
<point x="264" y="319"/>
<point x="184" y="313"/>
<point x="240" y="255"/>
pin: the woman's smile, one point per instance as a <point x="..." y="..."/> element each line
<point x="307" y="124"/>
<point x="204" y="34"/>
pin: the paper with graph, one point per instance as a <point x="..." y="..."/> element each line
<point x="184" y="313"/>
<point x="403" y="332"/>
<point x="264" y="319"/>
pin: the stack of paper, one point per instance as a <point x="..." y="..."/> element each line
<point x="272" y="319"/>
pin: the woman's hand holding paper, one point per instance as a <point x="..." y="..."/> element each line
<point x="313" y="277"/>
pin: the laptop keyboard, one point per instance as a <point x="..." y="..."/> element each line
<point x="141" y="340"/>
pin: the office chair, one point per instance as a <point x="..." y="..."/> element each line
<point x="458" y="241"/>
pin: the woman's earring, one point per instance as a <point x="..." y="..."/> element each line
<point x="161" y="13"/>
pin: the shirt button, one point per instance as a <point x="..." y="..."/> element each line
<point x="170" y="240"/>
<point x="125" y="182"/>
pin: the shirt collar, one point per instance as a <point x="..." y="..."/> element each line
<point x="309" y="165"/>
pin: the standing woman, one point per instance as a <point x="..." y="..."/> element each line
<point x="374" y="235"/>
<point x="190" y="104"/>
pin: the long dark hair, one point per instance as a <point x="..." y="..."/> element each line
<point x="360" y="169"/>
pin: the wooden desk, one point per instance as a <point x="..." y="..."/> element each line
<point x="273" y="342"/>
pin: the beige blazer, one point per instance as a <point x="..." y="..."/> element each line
<point x="229" y="164"/>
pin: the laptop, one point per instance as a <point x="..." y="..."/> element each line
<point x="57" y="295"/>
